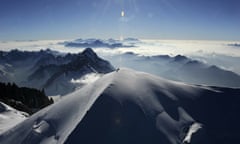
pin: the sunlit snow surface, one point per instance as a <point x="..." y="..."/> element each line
<point x="9" y="117"/>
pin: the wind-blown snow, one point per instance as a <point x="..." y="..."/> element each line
<point x="86" y="79"/>
<point x="126" y="106"/>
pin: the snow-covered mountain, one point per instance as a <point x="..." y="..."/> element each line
<point x="50" y="70"/>
<point x="129" y="107"/>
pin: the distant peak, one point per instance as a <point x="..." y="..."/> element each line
<point x="180" y="58"/>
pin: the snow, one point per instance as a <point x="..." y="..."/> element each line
<point x="120" y="107"/>
<point x="9" y="117"/>
<point x="193" y="129"/>
<point x="41" y="127"/>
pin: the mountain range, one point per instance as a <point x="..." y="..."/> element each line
<point x="99" y="43"/>
<point x="179" y="68"/>
<point x="49" y="70"/>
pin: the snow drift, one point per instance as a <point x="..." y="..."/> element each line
<point x="133" y="107"/>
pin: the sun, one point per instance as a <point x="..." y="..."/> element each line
<point x="122" y="13"/>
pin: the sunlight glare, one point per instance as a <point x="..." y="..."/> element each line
<point x="122" y="14"/>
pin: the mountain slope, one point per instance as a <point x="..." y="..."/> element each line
<point x="133" y="107"/>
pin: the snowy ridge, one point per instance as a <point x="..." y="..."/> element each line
<point x="128" y="107"/>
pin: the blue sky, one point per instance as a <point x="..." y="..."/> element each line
<point x="151" y="19"/>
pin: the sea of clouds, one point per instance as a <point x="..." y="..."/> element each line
<point x="225" y="54"/>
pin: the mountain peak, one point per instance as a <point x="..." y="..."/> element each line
<point x="89" y="52"/>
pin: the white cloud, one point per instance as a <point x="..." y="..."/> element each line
<point x="87" y="79"/>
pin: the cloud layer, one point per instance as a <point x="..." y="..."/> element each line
<point x="224" y="54"/>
